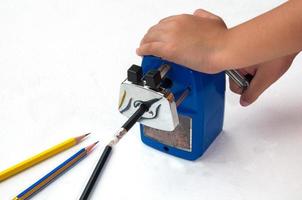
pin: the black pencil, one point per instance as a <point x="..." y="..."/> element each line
<point x="96" y="172"/>
<point x="105" y="155"/>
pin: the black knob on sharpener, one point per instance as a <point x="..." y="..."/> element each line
<point x="135" y="74"/>
<point x="166" y="83"/>
<point x="157" y="77"/>
<point x="153" y="79"/>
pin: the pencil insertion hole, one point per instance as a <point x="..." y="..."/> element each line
<point x="166" y="148"/>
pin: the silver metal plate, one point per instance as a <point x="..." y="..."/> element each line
<point x="161" y="115"/>
<point x="180" y="138"/>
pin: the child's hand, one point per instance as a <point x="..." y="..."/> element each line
<point x="265" y="74"/>
<point x="203" y="42"/>
<point x="189" y="40"/>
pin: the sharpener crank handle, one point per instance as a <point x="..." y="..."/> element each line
<point x="241" y="81"/>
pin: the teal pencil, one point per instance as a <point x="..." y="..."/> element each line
<point x="55" y="173"/>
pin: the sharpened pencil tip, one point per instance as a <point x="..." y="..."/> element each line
<point x="90" y="147"/>
<point x="81" y="137"/>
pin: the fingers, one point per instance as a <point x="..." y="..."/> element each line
<point x="153" y="36"/>
<point x="261" y="81"/>
<point x="267" y="73"/>
<point x="152" y="48"/>
<point x="158" y="32"/>
<point x="167" y="19"/>
<point x="152" y="43"/>
<point x="205" y="14"/>
<point x="154" y="40"/>
<point x="234" y="87"/>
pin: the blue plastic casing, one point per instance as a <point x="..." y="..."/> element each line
<point x="204" y="105"/>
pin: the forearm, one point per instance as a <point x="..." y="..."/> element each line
<point x="274" y="34"/>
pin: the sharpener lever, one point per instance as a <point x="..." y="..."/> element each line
<point x="183" y="96"/>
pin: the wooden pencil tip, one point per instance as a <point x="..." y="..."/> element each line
<point x="81" y="137"/>
<point x="90" y="147"/>
<point x="87" y="134"/>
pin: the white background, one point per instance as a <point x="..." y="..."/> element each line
<point x="61" y="63"/>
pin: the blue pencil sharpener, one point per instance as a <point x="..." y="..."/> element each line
<point x="189" y="109"/>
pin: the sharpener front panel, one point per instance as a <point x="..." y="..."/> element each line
<point x="180" y="138"/>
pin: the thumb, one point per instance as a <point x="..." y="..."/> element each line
<point x="205" y="14"/>
<point x="261" y="81"/>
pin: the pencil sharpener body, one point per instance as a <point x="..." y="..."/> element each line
<point x="189" y="112"/>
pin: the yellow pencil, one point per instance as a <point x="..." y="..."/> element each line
<point x="15" y="169"/>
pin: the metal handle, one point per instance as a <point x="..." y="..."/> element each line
<point x="241" y="81"/>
